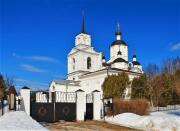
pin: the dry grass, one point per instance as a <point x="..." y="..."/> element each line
<point x="86" y="126"/>
<point x="137" y="106"/>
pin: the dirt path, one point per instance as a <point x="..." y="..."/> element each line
<point x="86" y="126"/>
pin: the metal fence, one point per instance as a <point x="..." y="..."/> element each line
<point x="65" y="96"/>
<point x="47" y="97"/>
<point x="167" y="108"/>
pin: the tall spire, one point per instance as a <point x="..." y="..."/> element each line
<point x="82" y="31"/>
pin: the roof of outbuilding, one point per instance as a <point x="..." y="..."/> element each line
<point x="12" y="90"/>
<point x="118" y="42"/>
<point x="25" y="87"/>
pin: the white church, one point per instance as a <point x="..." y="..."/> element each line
<point x="87" y="69"/>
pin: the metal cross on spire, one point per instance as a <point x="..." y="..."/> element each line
<point x="134" y="56"/>
<point x="118" y="29"/>
<point x="134" y="51"/>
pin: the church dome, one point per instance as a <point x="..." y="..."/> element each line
<point x="136" y="63"/>
<point x="119" y="60"/>
<point x="118" y="42"/>
<point x="104" y="57"/>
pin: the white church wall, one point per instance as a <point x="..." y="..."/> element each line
<point x="120" y="65"/>
<point x="64" y="88"/>
<point x="73" y="77"/>
<point x="83" y="39"/>
<point x="95" y="61"/>
<point x="73" y="61"/>
<point x="81" y="63"/>
<point x="113" y="51"/>
<point x="95" y="81"/>
<point x="124" y="51"/>
<point x="130" y="75"/>
<point x="89" y="84"/>
<point x="138" y="67"/>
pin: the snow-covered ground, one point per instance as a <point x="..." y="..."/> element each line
<point x="19" y="120"/>
<point x="159" y="121"/>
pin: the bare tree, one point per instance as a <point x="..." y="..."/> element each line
<point x="158" y="86"/>
<point x="177" y="81"/>
<point x="9" y="81"/>
<point x="170" y="65"/>
<point x="154" y="91"/>
<point x="2" y="87"/>
<point x="152" y="70"/>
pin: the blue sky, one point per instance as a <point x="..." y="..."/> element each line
<point x="37" y="35"/>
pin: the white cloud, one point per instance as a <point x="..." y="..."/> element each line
<point x="37" y="58"/>
<point x="175" y="47"/>
<point x="42" y="58"/>
<point x="20" y="80"/>
<point x="31" y="68"/>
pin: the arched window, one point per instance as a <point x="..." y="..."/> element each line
<point x="74" y="63"/>
<point x="88" y="63"/>
<point x="130" y="65"/>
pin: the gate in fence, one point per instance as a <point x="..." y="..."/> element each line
<point x="108" y="106"/>
<point x="89" y="106"/>
<point x="54" y="106"/>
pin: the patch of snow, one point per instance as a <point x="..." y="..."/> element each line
<point x="19" y="120"/>
<point x="159" y="121"/>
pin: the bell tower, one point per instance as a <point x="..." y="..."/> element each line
<point x="83" y="58"/>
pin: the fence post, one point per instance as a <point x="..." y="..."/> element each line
<point x="5" y="106"/>
<point x="53" y="100"/>
<point x="1" y="107"/>
<point x="25" y="95"/>
<point x="103" y="109"/>
<point x="80" y="105"/>
<point x="96" y="105"/>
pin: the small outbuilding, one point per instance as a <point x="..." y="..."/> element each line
<point x="11" y="96"/>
